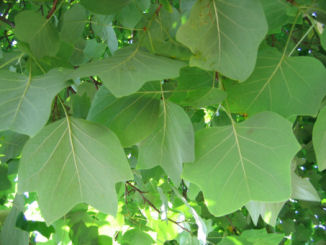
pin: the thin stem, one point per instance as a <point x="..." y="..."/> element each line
<point x="8" y="22"/>
<point x="141" y="193"/>
<point x="53" y="9"/>
<point x="291" y="33"/>
<point x="303" y="37"/>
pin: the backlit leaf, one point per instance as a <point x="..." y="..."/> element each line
<point x="128" y="69"/>
<point x="25" y="102"/>
<point x="132" y="118"/>
<point x="224" y="36"/>
<point x="280" y="84"/>
<point x="171" y="143"/>
<point x="76" y="161"/>
<point x="242" y="162"/>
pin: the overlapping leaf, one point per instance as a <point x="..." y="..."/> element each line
<point x="239" y="163"/>
<point x="38" y="32"/>
<point x="73" y="161"/>
<point x="171" y="143"/>
<point x="197" y="88"/>
<point x="25" y="102"/>
<point x="281" y="84"/>
<point x="276" y="14"/>
<point x="104" y="7"/>
<point x="319" y="139"/>
<point x="132" y="118"/>
<point x="74" y="21"/>
<point x="10" y="234"/>
<point x="302" y="189"/>
<point x="225" y="35"/>
<point x="129" y="68"/>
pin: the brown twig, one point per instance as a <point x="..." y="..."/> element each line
<point x="96" y="83"/>
<point x="8" y="22"/>
<point x="54" y="7"/>
<point x="141" y="193"/>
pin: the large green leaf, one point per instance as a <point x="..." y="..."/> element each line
<point x="38" y="32"/>
<point x="76" y="161"/>
<point x="132" y="118"/>
<point x="25" y="102"/>
<point x="105" y="7"/>
<point x="319" y="139"/>
<point x="239" y="163"/>
<point x="171" y="143"/>
<point x="129" y="68"/>
<point x="281" y="84"/>
<point x="225" y="35"/>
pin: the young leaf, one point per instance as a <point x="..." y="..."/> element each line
<point x="132" y="118"/>
<point x="38" y="32"/>
<point x="239" y="163"/>
<point x="319" y="139"/>
<point x="76" y="161"/>
<point x="279" y="83"/>
<point x="25" y="102"/>
<point x="224" y="36"/>
<point x="171" y="143"/>
<point x="129" y="68"/>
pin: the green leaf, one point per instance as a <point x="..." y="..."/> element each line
<point x="276" y="14"/>
<point x="76" y="161"/>
<point x="160" y="34"/>
<point x="38" y="32"/>
<point x="268" y="211"/>
<point x="136" y="237"/>
<point x="102" y="26"/>
<point x="9" y="233"/>
<point x="130" y="15"/>
<point x="132" y="118"/>
<point x="128" y="69"/>
<point x="229" y="170"/>
<point x="5" y="183"/>
<point x="11" y="145"/>
<point x="281" y="84"/>
<point x="224" y="36"/>
<point x="171" y="143"/>
<point x="105" y="7"/>
<point x="323" y="39"/>
<point x="253" y="237"/>
<point x="302" y="189"/>
<point x="25" y="102"/>
<point x="197" y="88"/>
<point x="74" y="21"/>
<point x="319" y="139"/>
